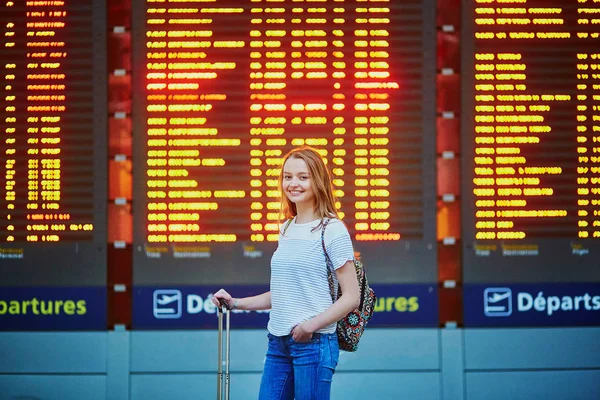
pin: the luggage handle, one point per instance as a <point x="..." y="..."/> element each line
<point x="223" y="309"/>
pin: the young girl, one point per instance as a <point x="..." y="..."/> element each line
<point x="303" y="350"/>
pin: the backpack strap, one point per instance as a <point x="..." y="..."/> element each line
<point x="323" y="226"/>
<point x="328" y="261"/>
<point x="286" y="226"/>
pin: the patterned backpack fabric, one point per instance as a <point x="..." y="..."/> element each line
<point x="351" y="327"/>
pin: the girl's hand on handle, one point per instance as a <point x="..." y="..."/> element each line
<point x="222" y="294"/>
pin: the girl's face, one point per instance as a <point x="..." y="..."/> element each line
<point x="297" y="182"/>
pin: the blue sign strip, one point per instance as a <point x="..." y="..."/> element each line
<point x="401" y="305"/>
<point x="190" y="307"/>
<point x="532" y="304"/>
<point x="52" y="308"/>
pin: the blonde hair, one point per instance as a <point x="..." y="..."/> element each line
<point x="321" y="185"/>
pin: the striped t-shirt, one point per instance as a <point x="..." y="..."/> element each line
<point x="299" y="287"/>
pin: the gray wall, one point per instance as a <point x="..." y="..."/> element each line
<point x="473" y="364"/>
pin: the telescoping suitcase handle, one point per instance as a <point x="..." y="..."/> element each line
<point x="223" y="309"/>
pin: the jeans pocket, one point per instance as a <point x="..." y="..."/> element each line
<point x="315" y="339"/>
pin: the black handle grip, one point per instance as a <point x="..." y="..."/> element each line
<point x="223" y="303"/>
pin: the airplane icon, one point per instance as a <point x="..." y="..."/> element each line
<point x="167" y="304"/>
<point x="496" y="297"/>
<point x="497" y="302"/>
<point x="166" y="299"/>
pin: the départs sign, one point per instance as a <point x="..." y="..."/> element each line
<point x="548" y="304"/>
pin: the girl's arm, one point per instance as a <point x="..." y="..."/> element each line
<point x="259" y="302"/>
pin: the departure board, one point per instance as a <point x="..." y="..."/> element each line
<point x="225" y="88"/>
<point x="53" y="113"/>
<point x="531" y="130"/>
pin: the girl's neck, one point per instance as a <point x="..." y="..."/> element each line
<point x="305" y="214"/>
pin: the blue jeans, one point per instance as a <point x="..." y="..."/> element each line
<point x="301" y="371"/>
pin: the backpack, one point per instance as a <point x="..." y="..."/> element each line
<point x="350" y="328"/>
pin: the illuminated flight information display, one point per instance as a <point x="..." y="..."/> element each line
<point x="225" y="88"/>
<point x="531" y="108"/>
<point x="52" y="92"/>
